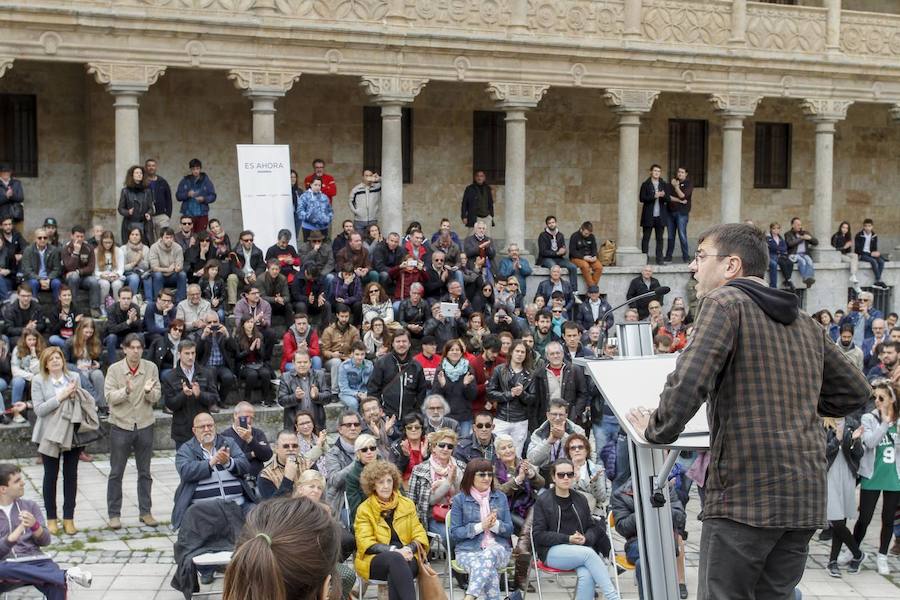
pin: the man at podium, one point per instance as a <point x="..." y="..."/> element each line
<point x="767" y="372"/>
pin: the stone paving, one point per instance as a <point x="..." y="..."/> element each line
<point x="137" y="561"/>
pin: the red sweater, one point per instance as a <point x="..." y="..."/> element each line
<point x="429" y="365"/>
<point x="329" y="187"/>
<point x="290" y="345"/>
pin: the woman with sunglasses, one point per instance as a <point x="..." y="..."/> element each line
<point x="312" y="443"/>
<point x="164" y="349"/>
<point x="388" y="532"/>
<point x="281" y="476"/>
<point x="410" y="450"/>
<point x="566" y="537"/>
<point x="879" y="468"/>
<point x="591" y="478"/>
<point x="434" y="482"/>
<point x="481" y="530"/>
<point x="366" y="447"/>
<point x="375" y="304"/>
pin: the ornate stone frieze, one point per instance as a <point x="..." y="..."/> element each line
<point x="510" y="94"/>
<point x="682" y="22"/>
<point x="786" y="28"/>
<point x="825" y="109"/>
<point x="5" y="65"/>
<point x="577" y="17"/>
<point x="735" y="105"/>
<point x="125" y="76"/>
<point x="273" y="83"/>
<point x="630" y="100"/>
<point x="392" y="88"/>
<point x="871" y="35"/>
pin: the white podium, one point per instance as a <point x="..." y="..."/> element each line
<point x="627" y="383"/>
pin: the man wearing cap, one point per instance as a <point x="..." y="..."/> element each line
<point x="196" y="192"/>
<point x="429" y="359"/>
<point x="589" y="312"/>
<point x="12" y="195"/>
<point x="314" y="251"/>
<point x="51" y="226"/>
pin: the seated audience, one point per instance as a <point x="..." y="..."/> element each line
<point x="435" y="409"/>
<point x="303" y="389"/>
<point x="251" y="440"/>
<point x="434" y="482"/>
<point x="280" y="477"/>
<point x="411" y="449"/>
<point x="799" y="243"/>
<point x="252" y="362"/>
<point x="188" y="390"/>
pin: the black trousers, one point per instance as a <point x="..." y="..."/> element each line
<point x="658" y="227"/>
<point x="400" y="574"/>
<point x="740" y="562"/>
<point x="69" y="460"/>
<point x="867" y="501"/>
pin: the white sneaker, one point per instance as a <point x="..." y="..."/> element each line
<point x="79" y="576"/>
<point x="844" y="557"/>
<point x="882" y="565"/>
<point x="853" y="279"/>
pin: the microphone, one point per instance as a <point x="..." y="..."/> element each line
<point x="657" y="293"/>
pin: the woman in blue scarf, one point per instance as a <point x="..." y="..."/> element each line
<point x="455" y="381"/>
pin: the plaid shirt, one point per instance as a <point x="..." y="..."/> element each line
<point x="766" y="384"/>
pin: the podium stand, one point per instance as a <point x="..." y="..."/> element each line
<point x="626" y="383"/>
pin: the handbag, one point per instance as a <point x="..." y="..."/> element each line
<point x="430" y="585"/>
<point x="439" y="512"/>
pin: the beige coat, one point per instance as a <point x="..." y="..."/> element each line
<point x="134" y="410"/>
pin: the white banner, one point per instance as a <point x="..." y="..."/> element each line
<point x="264" y="173"/>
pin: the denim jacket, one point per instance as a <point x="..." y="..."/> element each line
<point x="465" y="514"/>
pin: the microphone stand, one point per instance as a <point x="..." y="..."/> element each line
<point x="602" y="319"/>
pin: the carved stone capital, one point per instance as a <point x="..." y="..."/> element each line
<point x="126" y="77"/>
<point x="392" y="89"/>
<point x="263" y="83"/>
<point x="630" y="100"/>
<point x="825" y="109"/>
<point x="6" y="64"/>
<point x="735" y="105"/>
<point x="510" y="94"/>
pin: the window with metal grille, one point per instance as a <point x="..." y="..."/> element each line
<point x="489" y="145"/>
<point x="773" y="156"/>
<point x="18" y="133"/>
<point x="372" y="140"/>
<point x="687" y="148"/>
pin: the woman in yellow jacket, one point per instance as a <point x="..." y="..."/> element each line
<point x="387" y="530"/>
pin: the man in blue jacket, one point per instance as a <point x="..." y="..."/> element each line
<point x="196" y="192"/>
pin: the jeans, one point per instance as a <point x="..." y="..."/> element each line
<point x="55" y="340"/>
<point x="784" y="264"/>
<point x="589" y="566"/>
<point x="139" y="285"/>
<point x="465" y="429"/>
<point x="3" y="387"/>
<point x="54" y="287"/>
<point x="85" y="282"/>
<point x="805" y="265"/>
<point x="659" y="224"/>
<point x="315" y="360"/>
<point x="677" y="223"/>
<point x="121" y="444"/>
<point x="564" y="264"/>
<point x="18" y="388"/>
<point x="43" y="574"/>
<point x="179" y="280"/>
<point x="108" y="287"/>
<point x="605" y="431"/>
<point x="93" y="381"/>
<point x="876" y="262"/>
<point x="5" y="288"/>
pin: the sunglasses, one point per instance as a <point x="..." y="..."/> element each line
<point x="349" y="424"/>
<point x="246" y="239"/>
<point x="41" y="237"/>
<point x="446" y="446"/>
<point x="484" y="474"/>
<point x="483" y="425"/>
<point x="413" y="427"/>
<point x="565" y="474"/>
<point x="186" y="223"/>
<point x="576" y="447"/>
<point x="368" y="449"/>
<point x="290" y="446"/>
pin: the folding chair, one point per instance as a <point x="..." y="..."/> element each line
<point x="619" y="559"/>
<point x="455" y="567"/>
<point x="211" y="559"/>
<point x="539" y="567"/>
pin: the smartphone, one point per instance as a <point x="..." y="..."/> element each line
<point x="243" y="422"/>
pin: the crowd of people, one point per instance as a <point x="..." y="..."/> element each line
<point x="463" y="412"/>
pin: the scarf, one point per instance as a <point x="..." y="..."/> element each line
<point x="389" y="504"/>
<point x="484" y="503"/>
<point x="552" y="233"/>
<point x="439" y="473"/>
<point x="454" y="372"/>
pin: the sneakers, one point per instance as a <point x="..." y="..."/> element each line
<point x="880" y="284"/>
<point x="79" y="576"/>
<point x="844" y="557"/>
<point x="809" y="281"/>
<point x="19" y="419"/>
<point x="833" y="569"/>
<point x="682" y="591"/>
<point x="881" y="565"/>
<point x="854" y="279"/>
<point x="855" y="563"/>
<point x="115" y="523"/>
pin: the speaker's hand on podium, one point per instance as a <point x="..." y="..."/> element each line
<point x="640" y="418"/>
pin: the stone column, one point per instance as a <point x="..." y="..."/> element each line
<point x="629" y="104"/>
<point x="392" y="93"/>
<point x="633" y="18"/>
<point x="518" y="17"/>
<point x="516" y="99"/>
<point x="825" y="113"/>
<point x="734" y="108"/>
<point x="126" y="82"/>
<point x="263" y="88"/>
<point x="738" y="22"/>
<point x="833" y="26"/>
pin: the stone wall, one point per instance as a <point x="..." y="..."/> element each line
<point x="572" y="148"/>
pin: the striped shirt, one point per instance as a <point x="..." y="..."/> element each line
<point x="221" y="483"/>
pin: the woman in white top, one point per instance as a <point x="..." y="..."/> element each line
<point x="109" y="269"/>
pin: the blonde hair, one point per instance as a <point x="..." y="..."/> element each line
<point x="441" y="434"/>
<point x="363" y="441"/>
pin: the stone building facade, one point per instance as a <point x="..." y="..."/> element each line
<point x="588" y="88"/>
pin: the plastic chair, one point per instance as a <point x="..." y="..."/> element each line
<point x="539" y="567"/>
<point x="211" y="559"/>
<point x="620" y="559"/>
<point x="455" y="567"/>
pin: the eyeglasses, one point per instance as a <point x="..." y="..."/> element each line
<point x="699" y="255"/>
<point x="557" y="311"/>
<point x="565" y="474"/>
<point x="483" y="425"/>
<point x="355" y="424"/>
<point x="574" y="447"/>
<point x="446" y="446"/>
<point x="290" y="446"/>
<point x="484" y="474"/>
<point x="369" y="449"/>
<point x="413" y="427"/>
<point x="41" y="237"/>
<point x="178" y="329"/>
<point x="246" y="239"/>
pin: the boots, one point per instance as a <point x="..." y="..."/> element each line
<point x="69" y="526"/>
<point x="53" y="526"/>
<point x="523" y="564"/>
